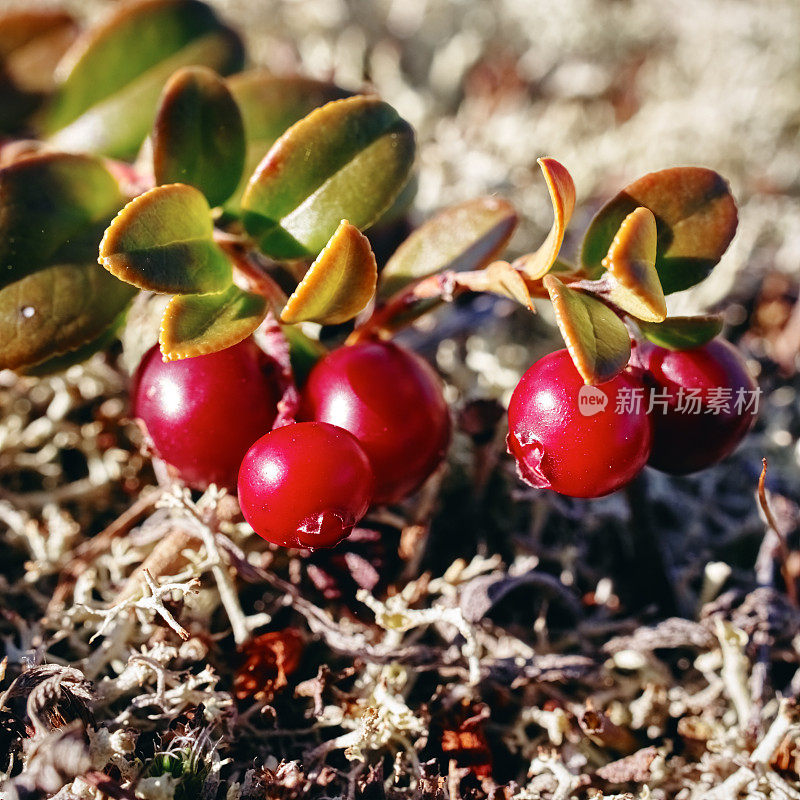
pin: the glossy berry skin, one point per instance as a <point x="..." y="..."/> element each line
<point x="392" y="402"/>
<point x="689" y="434"/>
<point x="305" y="485"/>
<point x="203" y="413"/>
<point x="556" y="446"/>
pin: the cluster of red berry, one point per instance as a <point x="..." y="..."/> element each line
<point x="677" y="410"/>
<point x="374" y="424"/>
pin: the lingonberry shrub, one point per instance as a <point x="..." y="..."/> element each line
<point x="276" y="182"/>
<point x="576" y="439"/>
<point x="203" y="413"/>
<point x="391" y="401"/>
<point x="305" y="485"/>
<point x="702" y="402"/>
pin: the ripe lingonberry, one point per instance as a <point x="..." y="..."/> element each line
<point x="203" y="413"/>
<point x="392" y="402"/>
<point x="581" y="441"/>
<point x="703" y="403"/>
<point x="305" y="485"/>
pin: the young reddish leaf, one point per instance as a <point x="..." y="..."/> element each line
<point x="198" y="135"/>
<point x="695" y="216"/>
<point x="48" y="201"/>
<point x="112" y="76"/>
<point x="634" y="284"/>
<point x="269" y="105"/>
<point x="562" y="195"/>
<point x="499" y="278"/>
<point x="198" y="324"/>
<point x="163" y="241"/>
<point x="346" y="160"/>
<point x="55" y="310"/>
<point x="683" y="333"/>
<point x="465" y="237"/>
<point x="597" y="340"/>
<point x="31" y="43"/>
<point x="338" y="284"/>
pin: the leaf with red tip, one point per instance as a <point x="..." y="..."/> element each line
<point x="198" y="135"/>
<point x="112" y="76"/>
<point x="338" y="284"/>
<point x="597" y="340"/>
<point x="465" y="237"/>
<point x="198" y="324"/>
<point x="695" y="217"/>
<point x="52" y="208"/>
<point x="498" y="278"/>
<point x="163" y="241"/>
<point x="346" y="160"/>
<point x="55" y="310"/>
<point x="270" y="105"/>
<point x="562" y="195"/>
<point x="683" y="333"/>
<point x="634" y="286"/>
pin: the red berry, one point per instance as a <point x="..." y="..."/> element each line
<point x="392" y="402"/>
<point x="305" y="485"/>
<point x="203" y="413"/>
<point x="581" y="441"/>
<point x="703" y="403"/>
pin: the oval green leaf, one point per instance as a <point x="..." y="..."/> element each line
<point x="31" y="43"/>
<point x="597" y="339"/>
<point x="80" y="354"/>
<point x="57" y="309"/>
<point x="195" y="325"/>
<point x="339" y="283"/>
<point x="111" y="78"/>
<point x="270" y="104"/>
<point x="634" y="285"/>
<point x="346" y="160"/>
<point x="683" y="333"/>
<point x="465" y="237"/>
<point x="52" y="206"/>
<point x="163" y="241"/>
<point x="198" y="136"/>
<point x="695" y="216"/>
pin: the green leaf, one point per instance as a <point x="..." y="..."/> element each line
<point x="338" y="284"/>
<point x="31" y="43"/>
<point x="303" y="352"/>
<point x="270" y="104"/>
<point x="597" y="339"/>
<point x="695" y="216"/>
<point x="163" y="241"/>
<point x="346" y="160"/>
<point x="198" y="136"/>
<point x="198" y="324"/>
<point x="113" y="75"/>
<point x="80" y="354"/>
<point x="51" y="207"/>
<point x="683" y="333"/>
<point x="55" y="310"/>
<point x="633" y="282"/>
<point x="466" y="237"/>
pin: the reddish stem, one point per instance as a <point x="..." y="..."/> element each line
<point x="783" y="547"/>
